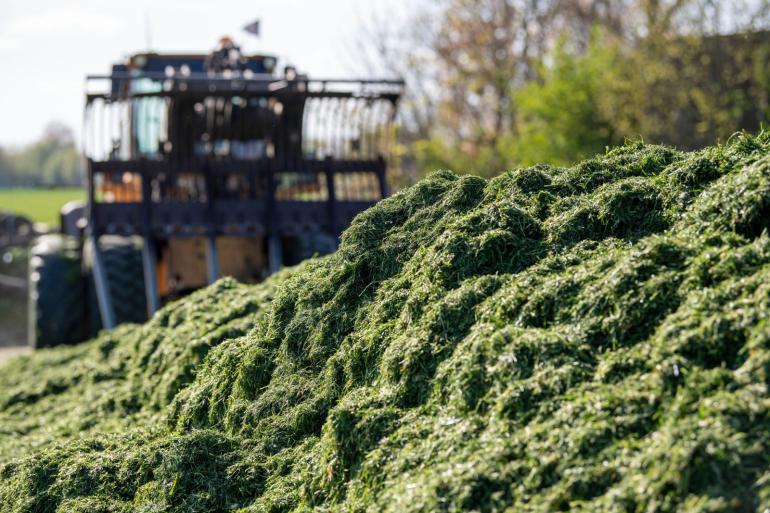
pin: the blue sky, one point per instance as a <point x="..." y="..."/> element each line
<point x="48" y="46"/>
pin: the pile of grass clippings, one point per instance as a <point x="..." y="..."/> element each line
<point x="592" y="339"/>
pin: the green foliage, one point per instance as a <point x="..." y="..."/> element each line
<point x="687" y="91"/>
<point x="436" y="153"/>
<point x="558" y="119"/>
<point x="592" y="338"/>
<point x="680" y="89"/>
<point x="52" y="160"/>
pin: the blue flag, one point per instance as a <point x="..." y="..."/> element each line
<point x="252" y="28"/>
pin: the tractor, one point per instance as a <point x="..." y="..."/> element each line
<point x="197" y="171"/>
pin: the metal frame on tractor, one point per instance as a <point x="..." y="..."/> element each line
<point x="179" y="153"/>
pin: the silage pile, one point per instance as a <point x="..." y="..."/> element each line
<point x="585" y="339"/>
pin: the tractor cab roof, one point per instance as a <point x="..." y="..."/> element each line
<point x="151" y="62"/>
<point x="155" y="74"/>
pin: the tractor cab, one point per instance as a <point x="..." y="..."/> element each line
<point x="197" y="124"/>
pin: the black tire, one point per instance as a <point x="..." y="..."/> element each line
<point x="56" y="292"/>
<point x="122" y="259"/>
<point x="15" y="229"/>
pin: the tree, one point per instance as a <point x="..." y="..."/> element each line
<point x="7" y="174"/>
<point x="690" y="79"/>
<point x="52" y="160"/>
<point x="511" y="82"/>
<point x="559" y="121"/>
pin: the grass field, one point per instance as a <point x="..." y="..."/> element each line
<point x="40" y="205"/>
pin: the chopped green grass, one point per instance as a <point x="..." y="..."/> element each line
<point x="587" y="339"/>
<point x="40" y="205"/>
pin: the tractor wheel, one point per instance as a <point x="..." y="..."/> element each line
<point x="122" y="258"/>
<point x="55" y="292"/>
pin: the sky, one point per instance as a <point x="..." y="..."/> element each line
<point x="47" y="47"/>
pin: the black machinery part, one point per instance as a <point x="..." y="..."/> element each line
<point x="122" y="259"/>
<point x="56" y="292"/>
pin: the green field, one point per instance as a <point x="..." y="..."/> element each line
<point x="40" y="205"/>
